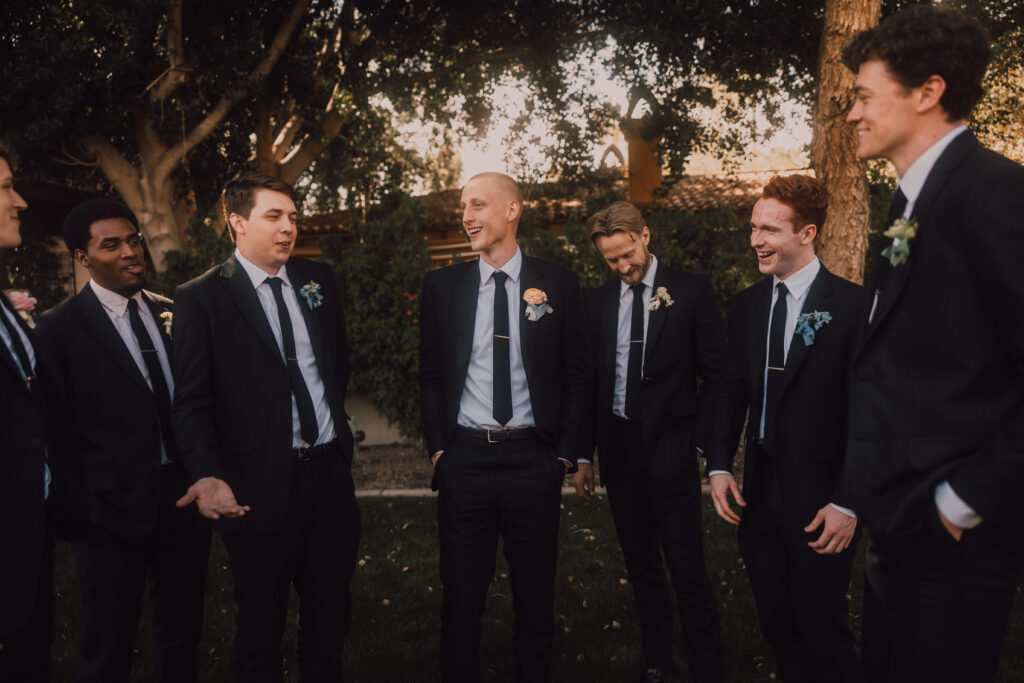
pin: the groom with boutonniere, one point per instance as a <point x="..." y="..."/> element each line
<point x="503" y="387"/>
<point x="653" y="331"/>
<point x="261" y="365"/>
<point x="791" y="337"/>
<point x="935" y="451"/>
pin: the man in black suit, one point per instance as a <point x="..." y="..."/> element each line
<point x="26" y="571"/>
<point x="934" y="455"/>
<point x="261" y="368"/>
<point x="111" y="353"/>
<point x="653" y="330"/>
<point x="503" y="385"/>
<point x="790" y="340"/>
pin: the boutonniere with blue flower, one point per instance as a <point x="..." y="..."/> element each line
<point x="902" y="231"/>
<point x="536" y="304"/>
<point x="168" y="319"/>
<point x="809" y="323"/>
<point x="661" y="296"/>
<point x="311" y="293"/>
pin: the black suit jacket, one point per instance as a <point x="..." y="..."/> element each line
<point x="23" y="432"/>
<point x="232" y="410"/>
<point x="684" y="341"/>
<point x="938" y="392"/>
<point x="110" y="415"/>
<point x="552" y="348"/>
<point x="810" y="423"/>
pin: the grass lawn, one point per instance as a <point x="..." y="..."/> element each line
<point x="396" y="621"/>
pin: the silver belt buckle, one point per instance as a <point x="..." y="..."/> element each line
<point x="489" y="440"/>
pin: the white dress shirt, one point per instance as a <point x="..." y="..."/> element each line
<point x="476" y="406"/>
<point x="912" y="182"/>
<point x="797" y="286"/>
<point x="15" y="324"/>
<point x="303" y="347"/>
<point x="116" y="308"/>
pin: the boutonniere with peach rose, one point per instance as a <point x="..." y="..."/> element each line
<point x="536" y="304"/>
<point x="24" y="303"/>
<point x="661" y="296"/>
<point x="168" y="319"/>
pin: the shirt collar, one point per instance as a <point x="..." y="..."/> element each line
<point x="912" y="181"/>
<point x="112" y="301"/>
<point x="648" y="278"/>
<point x="798" y="283"/>
<point x="511" y="268"/>
<point x="257" y="275"/>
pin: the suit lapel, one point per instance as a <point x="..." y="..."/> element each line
<point x="610" y="326"/>
<point x="819" y="298"/>
<point x="8" y="353"/>
<point x="156" y="308"/>
<point x="656" y="320"/>
<point x="757" y="341"/>
<point x="531" y="276"/>
<point x="896" y="277"/>
<point x="243" y="294"/>
<point x="97" y="324"/>
<point x="466" y="295"/>
<point x="298" y="278"/>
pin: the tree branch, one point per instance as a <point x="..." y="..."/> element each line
<point x="172" y="157"/>
<point x="119" y="171"/>
<point x="312" y="146"/>
<point x="177" y="71"/>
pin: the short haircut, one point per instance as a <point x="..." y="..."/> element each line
<point x="506" y="182"/>
<point x="922" y="41"/>
<point x="805" y="195"/>
<point x="77" y="223"/>
<point x="8" y="154"/>
<point x="239" y="195"/>
<point x="617" y="217"/>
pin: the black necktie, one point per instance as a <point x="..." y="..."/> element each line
<point x="776" y="366"/>
<point x="502" y="411"/>
<point x="307" y="414"/>
<point x="156" y="378"/>
<point x="636" y="353"/>
<point x="20" y="353"/>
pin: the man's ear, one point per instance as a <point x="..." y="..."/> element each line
<point x="82" y="258"/>
<point x="237" y="223"/>
<point x="515" y="209"/>
<point x="810" y="231"/>
<point x="930" y="93"/>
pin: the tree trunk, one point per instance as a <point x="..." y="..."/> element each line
<point x="844" y="238"/>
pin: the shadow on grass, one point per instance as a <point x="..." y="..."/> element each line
<point x="397" y="597"/>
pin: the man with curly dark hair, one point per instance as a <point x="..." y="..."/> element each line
<point x="935" y="446"/>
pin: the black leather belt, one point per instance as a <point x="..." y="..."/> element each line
<point x="313" y="452"/>
<point x="497" y="435"/>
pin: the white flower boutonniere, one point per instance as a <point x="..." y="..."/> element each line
<point x="167" y="318"/>
<point x="661" y="296"/>
<point x="902" y="231"/>
<point x="311" y="293"/>
<point x="536" y="304"/>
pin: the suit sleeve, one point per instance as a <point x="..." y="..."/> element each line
<point x="589" y="439"/>
<point x="431" y="387"/>
<point x="191" y="365"/>
<point x="991" y="479"/>
<point x="732" y="406"/>
<point x="715" y="385"/>
<point x="573" y="436"/>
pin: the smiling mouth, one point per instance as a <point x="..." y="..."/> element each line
<point x="474" y="230"/>
<point x="134" y="268"/>
<point x="764" y="254"/>
<point x="284" y="245"/>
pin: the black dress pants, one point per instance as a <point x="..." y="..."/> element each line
<point x="26" y="654"/>
<point x="936" y="610"/>
<point x="652" y="517"/>
<point x="511" y="489"/>
<point x="113" y="572"/>
<point x="314" y="550"/>
<point x="800" y="595"/>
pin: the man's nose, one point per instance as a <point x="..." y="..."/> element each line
<point x="854" y="114"/>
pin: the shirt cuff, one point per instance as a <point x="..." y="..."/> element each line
<point x="714" y="472"/>
<point x="584" y="461"/>
<point x="954" y="508"/>
<point x="846" y="511"/>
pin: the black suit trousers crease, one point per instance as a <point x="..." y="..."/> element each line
<point x="800" y="595"/>
<point x="655" y="517"/>
<point x="113" y="572"/>
<point x="314" y="549"/>
<point x="510" y="489"/>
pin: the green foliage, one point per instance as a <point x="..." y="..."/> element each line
<point x="206" y="250"/>
<point x="381" y="276"/>
<point x="35" y="267"/>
